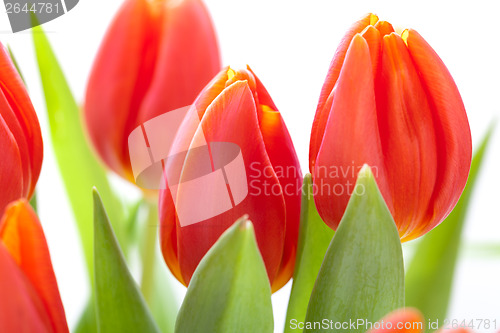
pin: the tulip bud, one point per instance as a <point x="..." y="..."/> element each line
<point x="240" y="160"/>
<point x="389" y="101"/>
<point x="155" y="57"/>
<point x="30" y="299"/>
<point x="403" y="320"/>
<point x="20" y="137"/>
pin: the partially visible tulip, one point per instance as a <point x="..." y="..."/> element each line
<point x="389" y="101"/>
<point x="404" y="320"/>
<point x="30" y="299"/>
<point x="236" y="108"/>
<point x="156" y="57"/>
<point x="20" y="137"/>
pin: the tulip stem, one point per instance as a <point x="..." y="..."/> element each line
<point x="148" y="251"/>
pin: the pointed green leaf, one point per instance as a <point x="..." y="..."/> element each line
<point x="120" y="306"/>
<point x="87" y="321"/>
<point x="230" y="290"/>
<point x="78" y="166"/>
<point x="362" y="275"/>
<point x="314" y="238"/>
<point x="429" y="277"/>
<point x="14" y="61"/>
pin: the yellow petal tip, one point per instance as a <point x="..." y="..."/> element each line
<point x="404" y="36"/>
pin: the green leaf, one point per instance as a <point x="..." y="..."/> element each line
<point x="87" y="321"/>
<point x="120" y="306"/>
<point x="230" y="290"/>
<point x="14" y="61"/>
<point x="362" y="275"/>
<point x="314" y="238"/>
<point x="164" y="304"/>
<point x="78" y="166"/>
<point x="429" y="277"/>
<point x="156" y="280"/>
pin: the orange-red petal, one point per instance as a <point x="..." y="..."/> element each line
<point x="321" y="115"/>
<point x="406" y="128"/>
<point x="119" y="80"/>
<point x="11" y="176"/>
<point x="188" y="58"/>
<point x="21" y="309"/>
<point x="351" y="136"/>
<point x="23" y="237"/>
<point x="281" y="152"/>
<point x="451" y="128"/>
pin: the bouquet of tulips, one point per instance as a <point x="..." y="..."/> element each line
<point x="224" y="203"/>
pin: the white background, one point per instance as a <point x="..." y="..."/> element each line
<point x="289" y="44"/>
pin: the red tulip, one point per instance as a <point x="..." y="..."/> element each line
<point x="389" y="101"/>
<point x="403" y="320"/>
<point x="156" y="57"/>
<point x="20" y="137"/>
<point x="30" y="299"/>
<point x="236" y="108"/>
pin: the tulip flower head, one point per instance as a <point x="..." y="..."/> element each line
<point x="20" y="137"/>
<point x="156" y="57"/>
<point x="236" y="108"/>
<point x="390" y="102"/>
<point x="30" y="299"/>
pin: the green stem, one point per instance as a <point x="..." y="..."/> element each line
<point x="33" y="202"/>
<point x="148" y="251"/>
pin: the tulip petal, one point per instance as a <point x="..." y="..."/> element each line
<point x="117" y="84"/>
<point x="451" y="127"/>
<point x="168" y="235"/>
<point x="21" y="310"/>
<point x="353" y="117"/>
<point x="22" y="235"/>
<point x="406" y="132"/>
<point x="321" y="116"/>
<point x="285" y="163"/>
<point x="211" y="91"/>
<point x="410" y="319"/>
<point x="373" y="37"/>
<point x="263" y="95"/>
<point x="12" y="129"/>
<point x="384" y="27"/>
<point x="11" y="176"/>
<point x="284" y="160"/>
<point x="188" y="58"/>
<point x="18" y="113"/>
